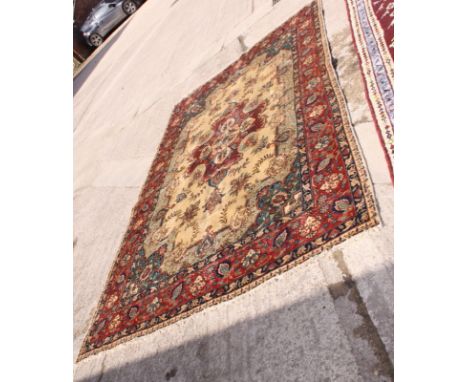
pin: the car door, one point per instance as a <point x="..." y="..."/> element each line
<point x="112" y="14"/>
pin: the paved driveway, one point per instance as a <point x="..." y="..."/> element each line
<point x="329" y="319"/>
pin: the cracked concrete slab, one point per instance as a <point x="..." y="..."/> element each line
<point x="371" y="355"/>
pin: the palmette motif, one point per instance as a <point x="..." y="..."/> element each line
<point x="258" y="170"/>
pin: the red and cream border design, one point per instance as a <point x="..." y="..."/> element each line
<point x="377" y="70"/>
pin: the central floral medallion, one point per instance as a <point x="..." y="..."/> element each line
<point x="237" y="150"/>
<point x="222" y="148"/>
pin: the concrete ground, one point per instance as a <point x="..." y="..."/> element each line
<point x="328" y="319"/>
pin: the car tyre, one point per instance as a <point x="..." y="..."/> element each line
<point x="95" y="39"/>
<point x="129" y="7"/>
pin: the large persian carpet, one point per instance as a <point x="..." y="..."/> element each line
<point x="258" y="170"/>
<point x="372" y="27"/>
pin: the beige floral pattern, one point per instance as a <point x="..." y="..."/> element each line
<point x="197" y="285"/>
<point x="115" y="322"/>
<point x="310" y="227"/>
<point x="332" y="181"/>
<point x="250" y="258"/>
<point x="233" y="162"/>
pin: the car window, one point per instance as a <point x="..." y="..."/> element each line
<point x="101" y="10"/>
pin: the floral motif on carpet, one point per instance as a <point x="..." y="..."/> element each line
<point x="372" y="28"/>
<point x="258" y="170"/>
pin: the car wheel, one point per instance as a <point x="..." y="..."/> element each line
<point x="129" y="7"/>
<point x="95" y="39"/>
